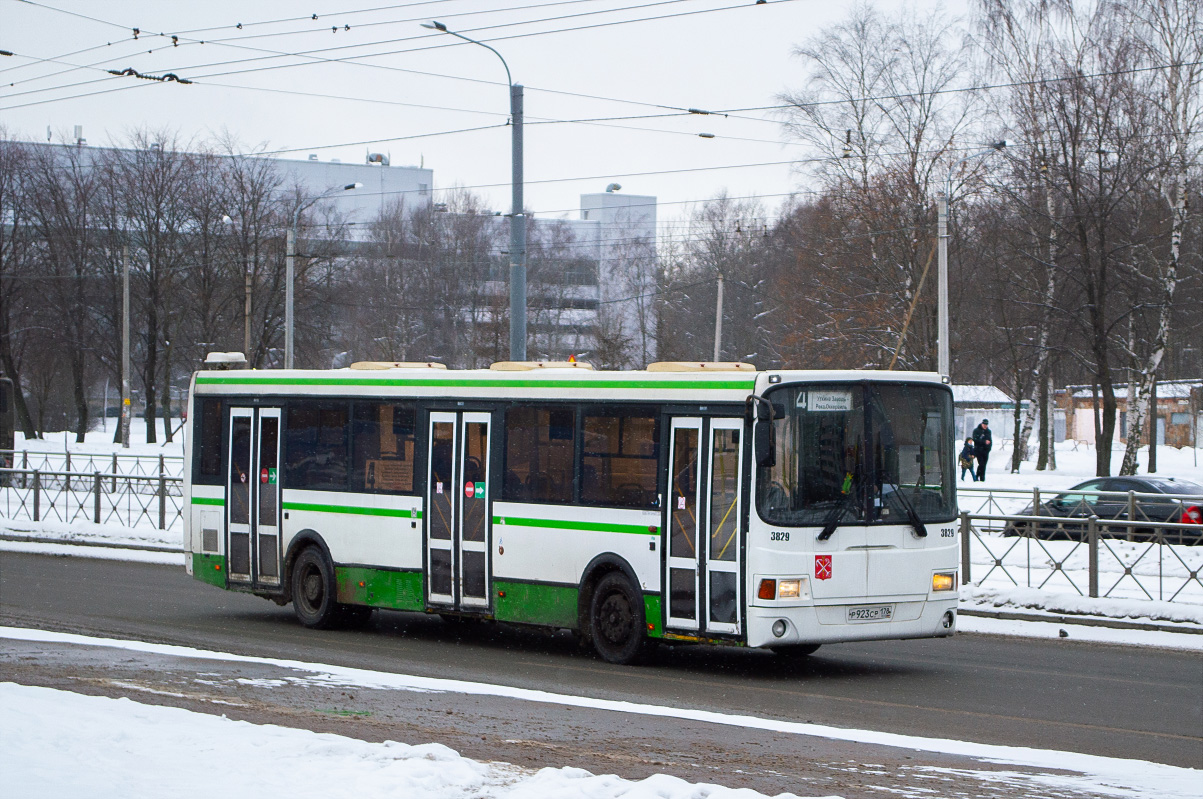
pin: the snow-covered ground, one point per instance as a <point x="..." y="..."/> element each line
<point x="122" y="749"/>
<point x="126" y="749"/>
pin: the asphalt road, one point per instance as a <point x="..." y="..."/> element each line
<point x="1126" y="702"/>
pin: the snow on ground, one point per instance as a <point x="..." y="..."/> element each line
<point x="139" y="743"/>
<point x="123" y="749"/>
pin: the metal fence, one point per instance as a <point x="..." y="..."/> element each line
<point x="84" y="463"/>
<point x="1133" y="508"/>
<point x="1089" y="556"/>
<point x="127" y="500"/>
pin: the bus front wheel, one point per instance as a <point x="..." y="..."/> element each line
<point x="616" y="620"/>
<point x="314" y="591"/>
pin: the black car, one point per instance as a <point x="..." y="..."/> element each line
<point x="1110" y="499"/>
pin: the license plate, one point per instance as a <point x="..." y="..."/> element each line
<point x="874" y="613"/>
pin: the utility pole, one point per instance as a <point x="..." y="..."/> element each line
<point x="517" y="231"/>
<point x="246" y="312"/>
<point x="125" y="399"/>
<point x="517" y="213"/>
<point x="942" y="281"/>
<point x="718" y="320"/>
<point x="942" y="200"/>
<point x="289" y="277"/>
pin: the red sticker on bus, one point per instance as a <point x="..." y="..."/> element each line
<point x="822" y="567"/>
<point x="469" y="489"/>
<point x="263" y="476"/>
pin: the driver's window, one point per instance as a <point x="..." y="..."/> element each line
<point x="1085" y="494"/>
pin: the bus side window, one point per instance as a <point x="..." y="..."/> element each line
<point x="382" y="447"/>
<point x="620" y="458"/>
<point x="316" y="446"/>
<point x="211" y="443"/>
<point x="539" y="449"/>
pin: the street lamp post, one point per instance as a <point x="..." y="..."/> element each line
<point x="943" y="199"/>
<point x="517" y="215"/>
<point x="289" y="269"/>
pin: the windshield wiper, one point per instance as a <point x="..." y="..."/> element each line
<point x="846" y="502"/>
<point x="911" y="515"/>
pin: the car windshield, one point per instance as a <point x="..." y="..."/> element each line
<point x="859" y="452"/>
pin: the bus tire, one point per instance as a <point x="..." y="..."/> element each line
<point x="314" y="591"/>
<point x="616" y="623"/>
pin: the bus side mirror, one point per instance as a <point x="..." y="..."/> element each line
<point x="764" y="440"/>
<point x="764" y="435"/>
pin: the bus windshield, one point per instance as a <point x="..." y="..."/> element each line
<point x="868" y="453"/>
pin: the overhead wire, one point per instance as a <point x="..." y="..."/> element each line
<point x="356" y="60"/>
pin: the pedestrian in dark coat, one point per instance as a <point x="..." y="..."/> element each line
<point x="966" y="459"/>
<point x="982" y="441"/>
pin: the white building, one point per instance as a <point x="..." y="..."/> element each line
<point x="383" y="185"/>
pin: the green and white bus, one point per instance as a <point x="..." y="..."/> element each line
<point x="699" y="502"/>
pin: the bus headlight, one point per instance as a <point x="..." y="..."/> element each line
<point x="779" y="628"/>
<point x="944" y="581"/>
<point x="789" y="589"/>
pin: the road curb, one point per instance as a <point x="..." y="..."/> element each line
<point x="1082" y="621"/>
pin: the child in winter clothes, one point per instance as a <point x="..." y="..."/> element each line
<point x="966" y="459"/>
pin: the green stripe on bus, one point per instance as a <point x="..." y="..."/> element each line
<point x="402" y="513"/>
<point x="556" y="605"/>
<point x="533" y="603"/>
<point x="651" y="614"/>
<point x="209" y="569"/>
<point x="208" y="501"/>
<point x="668" y="385"/>
<point x="379" y="588"/>
<point x="597" y="527"/>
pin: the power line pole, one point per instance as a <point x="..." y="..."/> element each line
<point x="246" y="311"/>
<point x="289" y="278"/>
<point x="942" y="281"/>
<point x="125" y="399"/>
<point x="517" y="232"/>
<point x="718" y="320"/>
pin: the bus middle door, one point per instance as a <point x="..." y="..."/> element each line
<point x="459" y="521"/>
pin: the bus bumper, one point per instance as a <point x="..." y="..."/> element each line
<point x="867" y="620"/>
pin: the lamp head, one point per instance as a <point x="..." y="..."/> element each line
<point x="435" y="25"/>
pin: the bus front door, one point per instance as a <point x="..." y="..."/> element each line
<point x="253" y="497"/>
<point x="704" y="514"/>
<point x="457" y="530"/>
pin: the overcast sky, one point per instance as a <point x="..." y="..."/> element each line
<point x="419" y="92"/>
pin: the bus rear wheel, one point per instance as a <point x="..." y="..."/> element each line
<point x="314" y="591"/>
<point x="616" y="620"/>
